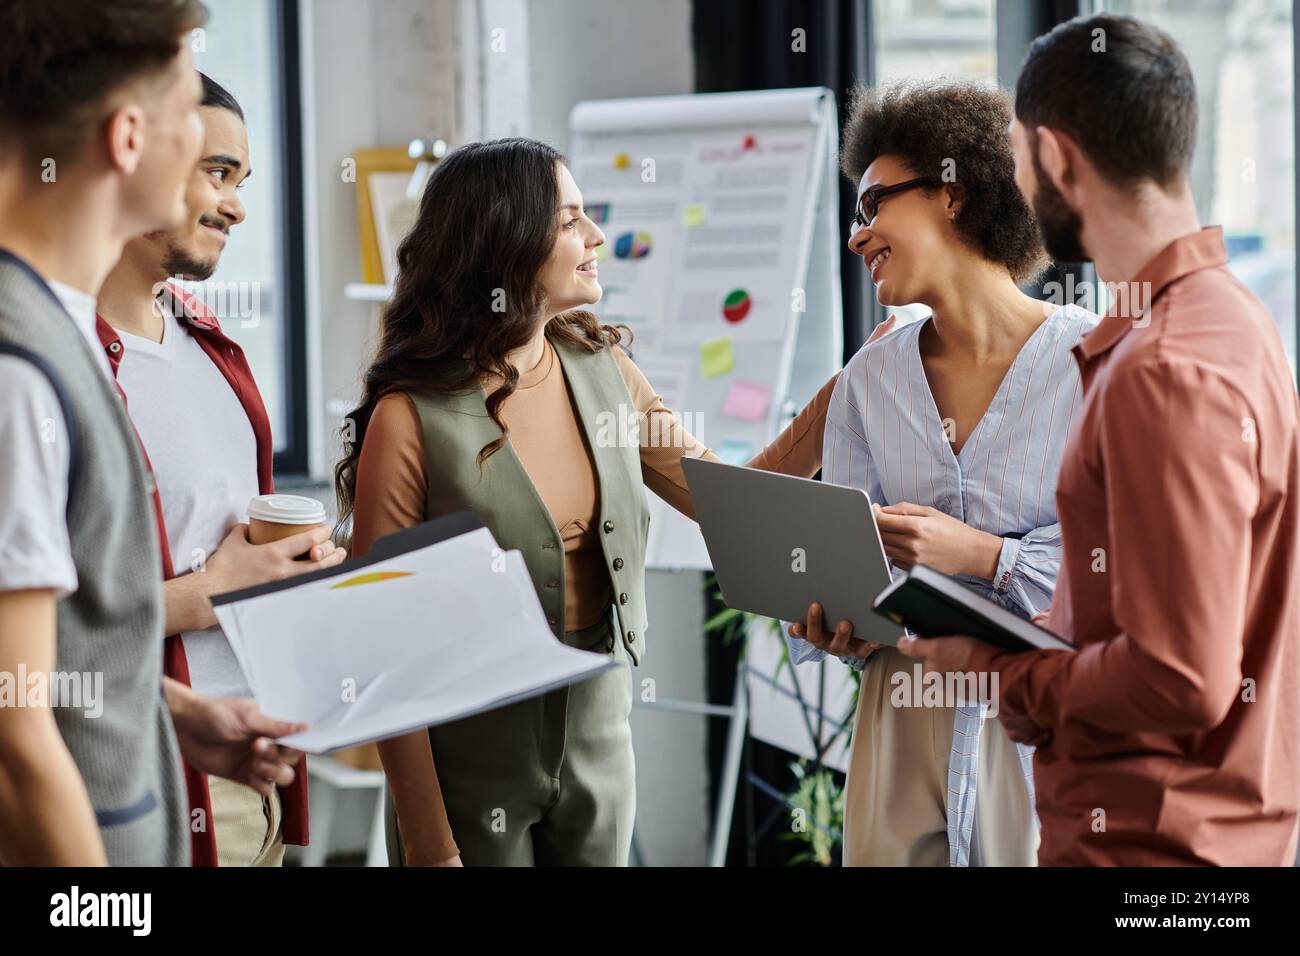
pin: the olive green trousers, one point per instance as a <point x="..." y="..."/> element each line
<point x="548" y="781"/>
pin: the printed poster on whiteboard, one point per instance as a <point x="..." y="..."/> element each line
<point x="711" y="205"/>
<point x="745" y="200"/>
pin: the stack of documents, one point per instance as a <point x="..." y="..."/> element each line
<point x="435" y="624"/>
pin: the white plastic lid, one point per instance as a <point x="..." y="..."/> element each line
<point x="287" y="509"/>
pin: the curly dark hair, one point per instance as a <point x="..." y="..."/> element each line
<point x="958" y="128"/>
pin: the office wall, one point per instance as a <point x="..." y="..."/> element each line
<point x="375" y="72"/>
<point x="579" y="50"/>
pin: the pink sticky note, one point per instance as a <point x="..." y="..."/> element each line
<point x="747" y="401"/>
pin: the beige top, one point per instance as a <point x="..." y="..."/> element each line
<point x="544" y="429"/>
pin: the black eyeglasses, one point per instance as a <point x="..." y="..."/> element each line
<point x="869" y="204"/>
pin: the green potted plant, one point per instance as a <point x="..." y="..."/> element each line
<point x="816" y="802"/>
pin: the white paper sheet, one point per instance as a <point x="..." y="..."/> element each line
<point x="461" y="633"/>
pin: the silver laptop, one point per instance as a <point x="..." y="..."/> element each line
<point x="779" y="543"/>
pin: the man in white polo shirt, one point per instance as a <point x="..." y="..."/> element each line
<point x="199" y="414"/>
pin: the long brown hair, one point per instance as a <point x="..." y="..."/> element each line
<point x="467" y="291"/>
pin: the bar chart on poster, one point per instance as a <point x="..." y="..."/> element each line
<point x="721" y="256"/>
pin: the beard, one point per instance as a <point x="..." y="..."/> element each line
<point x="180" y="262"/>
<point x="1060" y="225"/>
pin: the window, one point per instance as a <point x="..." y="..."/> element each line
<point x="247" y="47"/>
<point x="917" y="39"/>
<point x="927" y="39"/>
<point x="1243" y="174"/>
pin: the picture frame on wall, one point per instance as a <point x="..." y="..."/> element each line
<point x="384" y="212"/>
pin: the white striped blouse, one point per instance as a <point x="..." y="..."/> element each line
<point x="884" y="435"/>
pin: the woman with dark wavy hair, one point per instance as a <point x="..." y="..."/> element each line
<point x="486" y="395"/>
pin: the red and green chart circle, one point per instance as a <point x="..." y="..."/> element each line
<point x="736" y="306"/>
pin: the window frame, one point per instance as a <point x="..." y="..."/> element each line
<point x="292" y="460"/>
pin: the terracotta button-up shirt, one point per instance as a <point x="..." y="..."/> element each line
<point x="1176" y="724"/>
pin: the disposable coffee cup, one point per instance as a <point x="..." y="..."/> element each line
<point x="275" y="517"/>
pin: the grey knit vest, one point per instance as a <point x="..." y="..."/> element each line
<point x="112" y="624"/>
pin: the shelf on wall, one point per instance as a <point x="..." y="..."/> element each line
<point x="368" y="292"/>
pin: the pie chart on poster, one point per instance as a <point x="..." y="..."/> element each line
<point x="632" y="245"/>
<point x="736" y="306"/>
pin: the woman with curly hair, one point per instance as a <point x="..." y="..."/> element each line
<point x="955" y="427"/>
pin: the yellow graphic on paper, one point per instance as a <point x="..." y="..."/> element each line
<point x="717" y="357"/>
<point x="370" y="578"/>
<point x="622" y="160"/>
<point x="693" y="216"/>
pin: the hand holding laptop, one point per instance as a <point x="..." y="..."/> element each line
<point x="780" y="544"/>
<point x="839" y="643"/>
<point x="791" y="548"/>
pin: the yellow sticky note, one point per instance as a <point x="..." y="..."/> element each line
<point x="693" y="216"/>
<point x="717" y="357"/>
<point x="622" y="160"/>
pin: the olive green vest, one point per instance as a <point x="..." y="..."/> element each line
<point x="456" y="425"/>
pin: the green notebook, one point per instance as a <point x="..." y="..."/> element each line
<point x="931" y="604"/>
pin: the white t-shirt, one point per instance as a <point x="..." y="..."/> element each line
<point x="34" y="548"/>
<point x="204" y="456"/>
<point x="82" y="309"/>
